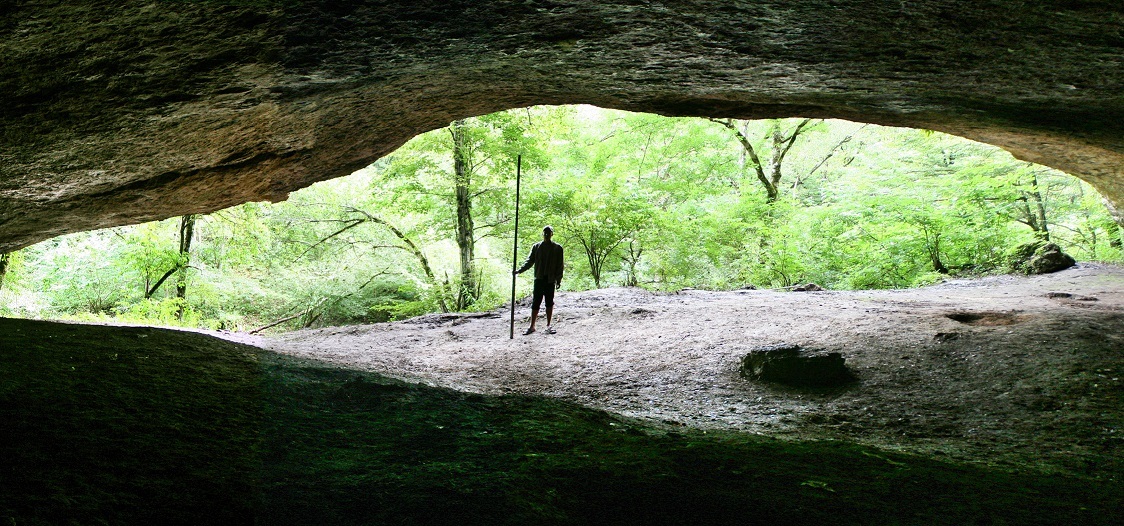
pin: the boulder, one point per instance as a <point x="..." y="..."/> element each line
<point x="808" y="287"/>
<point x="790" y="365"/>
<point x="1039" y="257"/>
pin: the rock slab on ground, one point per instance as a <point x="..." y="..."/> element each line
<point x="1039" y="257"/>
<point x="791" y="365"/>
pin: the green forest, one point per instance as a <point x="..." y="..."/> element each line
<point x="636" y="200"/>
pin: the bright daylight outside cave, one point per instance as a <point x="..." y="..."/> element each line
<point x="852" y="262"/>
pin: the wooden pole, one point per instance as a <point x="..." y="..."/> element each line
<point x="515" y="243"/>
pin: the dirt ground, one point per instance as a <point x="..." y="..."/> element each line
<point x="1016" y="372"/>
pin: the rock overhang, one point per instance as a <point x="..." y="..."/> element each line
<point x="122" y="114"/>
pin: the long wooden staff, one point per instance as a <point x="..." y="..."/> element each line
<point x="515" y="243"/>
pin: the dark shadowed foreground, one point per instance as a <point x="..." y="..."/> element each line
<point x="147" y="426"/>
<point x="1018" y="372"/>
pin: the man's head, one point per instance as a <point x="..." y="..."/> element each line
<point x="547" y="232"/>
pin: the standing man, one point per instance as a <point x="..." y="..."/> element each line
<point x="546" y="257"/>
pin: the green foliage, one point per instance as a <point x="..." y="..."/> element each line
<point x="162" y="312"/>
<point x="13" y="282"/>
<point x="636" y="199"/>
<point x="83" y="273"/>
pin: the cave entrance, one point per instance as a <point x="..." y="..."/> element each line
<point x="637" y="200"/>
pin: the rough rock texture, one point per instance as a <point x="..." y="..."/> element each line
<point x="1039" y="257"/>
<point x="116" y="113"/>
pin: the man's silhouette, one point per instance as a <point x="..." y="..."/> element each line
<point x="546" y="257"/>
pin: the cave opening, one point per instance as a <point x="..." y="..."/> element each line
<point x="638" y="199"/>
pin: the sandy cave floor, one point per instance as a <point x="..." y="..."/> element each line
<point x="1019" y="372"/>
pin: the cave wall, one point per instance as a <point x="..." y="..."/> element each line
<point x="123" y="112"/>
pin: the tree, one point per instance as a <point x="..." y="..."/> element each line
<point x="187" y="233"/>
<point x="359" y="217"/>
<point x="5" y="261"/>
<point x="782" y="142"/>
<point x="458" y="176"/>
<point x="599" y="239"/>
<point x="600" y="217"/>
<point x="1032" y="208"/>
<point x="465" y="232"/>
<point x="181" y="262"/>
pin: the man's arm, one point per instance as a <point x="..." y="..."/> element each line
<point x="561" y="268"/>
<point x="530" y="259"/>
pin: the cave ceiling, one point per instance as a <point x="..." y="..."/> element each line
<point x="123" y="112"/>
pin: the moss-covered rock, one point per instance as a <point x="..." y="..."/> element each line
<point x="1038" y="257"/>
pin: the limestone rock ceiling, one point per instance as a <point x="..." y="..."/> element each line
<point x="116" y="113"/>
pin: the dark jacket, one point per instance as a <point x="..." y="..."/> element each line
<point x="546" y="257"/>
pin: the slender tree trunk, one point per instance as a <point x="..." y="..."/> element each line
<point x="781" y="146"/>
<point x="5" y="260"/>
<point x="776" y="162"/>
<point x="751" y="152"/>
<point x="149" y="292"/>
<point x="187" y="231"/>
<point x="594" y="264"/>
<point x="592" y="255"/>
<point x="935" y="254"/>
<point x="633" y="259"/>
<point x="1034" y="209"/>
<point x="462" y="164"/>
<point x="1040" y="208"/>
<point x="932" y="237"/>
<point x="419" y="255"/>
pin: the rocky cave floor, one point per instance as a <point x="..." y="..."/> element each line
<point x="1009" y="371"/>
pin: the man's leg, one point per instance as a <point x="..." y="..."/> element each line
<point x="549" y="297"/>
<point x="536" y="302"/>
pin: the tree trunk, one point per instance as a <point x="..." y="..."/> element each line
<point x="781" y="147"/>
<point x="1040" y="208"/>
<point x="749" y="150"/>
<point x="776" y="162"/>
<point x="149" y="292"/>
<point x="1035" y="217"/>
<point x="633" y="259"/>
<point x="187" y="231"/>
<point x="5" y="260"/>
<point x="594" y="257"/>
<point x="933" y="247"/>
<point x="935" y="255"/>
<point x="462" y="168"/>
